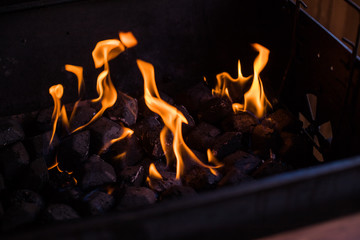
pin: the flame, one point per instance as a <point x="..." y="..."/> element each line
<point x="128" y="39"/>
<point x="78" y="71"/>
<point x="212" y="159"/>
<point x="56" y="92"/>
<point x="171" y="116"/>
<point x="127" y="132"/>
<point x="255" y="100"/>
<point x="153" y="172"/>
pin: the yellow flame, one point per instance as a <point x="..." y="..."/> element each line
<point x="255" y="100"/>
<point x="172" y="118"/>
<point x="154" y="173"/>
<point x="128" y="39"/>
<point x="56" y="92"/>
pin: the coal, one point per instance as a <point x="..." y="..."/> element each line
<point x="37" y="175"/>
<point x="177" y="192"/>
<point x="234" y="176"/>
<point x="135" y="197"/>
<point x="227" y="143"/>
<point x="103" y="131"/>
<point x="203" y="136"/>
<point x="133" y="175"/>
<point x="191" y="122"/>
<point x="74" y="149"/>
<point x="60" y="213"/>
<point x="14" y="160"/>
<point x="97" y="172"/>
<point x="239" y="122"/>
<point x="125" y="109"/>
<point x="84" y="112"/>
<point x="283" y="120"/>
<point x="242" y="161"/>
<point x="215" y="110"/>
<point x="38" y="146"/>
<point x="264" y="138"/>
<point x="98" y="202"/>
<point x="148" y="131"/>
<point x="270" y="167"/>
<point x="168" y="180"/>
<point x="60" y="181"/>
<point x="24" y="207"/>
<point x="200" y="178"/>
<point x="10" y="132"/>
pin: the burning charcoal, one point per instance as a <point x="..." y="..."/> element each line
<point x="189" y="118"/>
<point x="14" y="160"/>
<point x="234" y="176"/>
<point x="264" y="138"/>
<point x="82" y="115"/>
<point x="24" y="206"/>
<point x="239" y="122"/>
<point x="242" y="161"/>
<point x="98" y="202"/>
<point x="127" y="152"/>
<point x="60" y="212"/>
<point x="270" y="167"/>
<point x="133" y="175"/>
<point x="38" y="174"/>
<point x="74" y="149"/>
<point x="168" y="180"/>
<point x="38" y="146"/>
<point x="227" y="143"/>
<point x="103" y="131"/>
<point x="283" y="120"/>
<point x="145" y="112"/>
<point x="125" y="109"/>
<point x="10" y="132"/>
<point x="135" y="197"/>
<point x="97" y="172"/>
<point x="148" y="131"/>
<point x="199" y="178"/>
<point x="202" y="136"/>
<point x="177" y="192"/>
<point x="195" y="96"/>
<point x="215" y="110"/>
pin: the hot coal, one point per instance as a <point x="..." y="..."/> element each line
<point x="227" y="143"/>
<point x="191" y="123"/>
<point x="60" y="213"/>
<point x="133" y="175"/>
<point x="200" y="178"/>
<point x="234" y="176"/>
<point x="10" y="132"/>
<point x="168" y="180"/>
<point x="83" y="113"/>
<point x="97" y="172"/>
<point x="241" y="161"/>
<point x="239" y="122"/>
<point x="177" y="192"/>
<point x="264" y="138"/>
<point x="98" y="202"/>
<point x="203" y="136"/>
<point x="215" y="110"/>
<point x="135" y="197"/>
<point x="125" y="109"/>
<point x="283" y="120"/>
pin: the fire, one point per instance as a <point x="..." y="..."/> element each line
<point x="255" y="100"/>
<point x="171" y="116"/>
<point x="57" y="92"/>
<point x="78" y="71"/>
<point x="127" y="132"/>
<point x="153" y="172"/>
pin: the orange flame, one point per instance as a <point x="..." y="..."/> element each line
<point x="154" y="173"/>
<point x="127" y="132"/>
<point x="78" y="71"/>
<point x="128" y="39"/>
<point x="255" y="100"/>
<point x="212" y="159"/>
<point x="172" y="118"/>
<point x="56" y="92"/>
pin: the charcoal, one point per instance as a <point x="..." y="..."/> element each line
<point x="125" y="109"/>
<point x="135" y="197"/>
<point x="60" y="181"/>
<point x="103" y="131"/>
<point x="215" y="110"/>
<point x="242" y="161"/>
<point x="227" y="143"/>
<point x="126" y="152"/>
<point x="68" y="193"/>
<point x="191" y="123"/>
<point x="60" y="213"/>
<point x="133" y="175"/>
<point x="283" y="120"/>
<point x="239" y="122"/>
<point x="44" y="116"/>
<point x="24" y="207"/>
<point x="84" y="112"/>
<point x="270" y="167"/>
<point x="74" y="150"/>
<point x="14" y="160"/>
<point x="38" y="174"/>
<point x="10" y="132"/>
<point x="177" y="192"/>
<point x="97" y="172"/>
<point x="148" y="131"/>
<point x="264" y="138"/>
<point x="38" y="146"/>
<point x="195" y="96"/>
<point x="234" y="176"/>
<point x="168" y="180"/>
<point x="200" y="178"/>
<point x="28" y="123"/>
<point x="98" y="202"/>
<point x="203" y="136"/>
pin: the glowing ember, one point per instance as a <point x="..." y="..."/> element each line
<point x="171" y="116"/>
<point x="255" y="100"/>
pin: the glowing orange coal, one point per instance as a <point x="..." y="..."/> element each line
<point x="172" y="118"/>
<point x="255" y="100"/>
